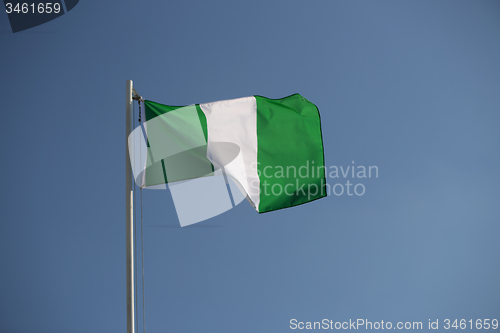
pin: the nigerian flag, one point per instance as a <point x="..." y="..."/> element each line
<point x="271" y="149"/>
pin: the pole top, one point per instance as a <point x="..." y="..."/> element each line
<point x="136" y="96"/>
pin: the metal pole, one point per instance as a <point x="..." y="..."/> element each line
<point x="129" y="213"/>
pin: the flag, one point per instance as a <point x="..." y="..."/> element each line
<point x="272" y="149"/>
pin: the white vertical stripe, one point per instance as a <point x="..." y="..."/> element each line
<point x="235" y="121"/>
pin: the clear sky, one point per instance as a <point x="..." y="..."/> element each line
<point x="412" y="87"/>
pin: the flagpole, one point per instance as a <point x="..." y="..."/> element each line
<point x="129" y="210"/>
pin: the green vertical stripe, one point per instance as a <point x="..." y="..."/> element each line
<point x="290" y="156"/>
<point x="153" y="109"/>
<point x="188" y="164"/>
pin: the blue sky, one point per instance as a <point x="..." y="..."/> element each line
<point x="411" y="87"/>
